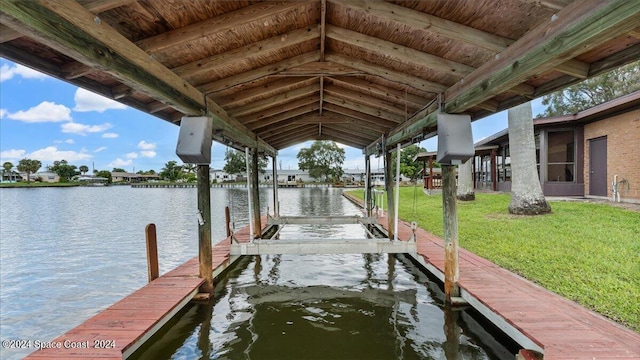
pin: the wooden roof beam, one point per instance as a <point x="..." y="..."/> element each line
<point x="281" y="130"/>
<point x="272" y="88"/>
<point x="366" y="109"/>
<point x="277" y="100"/>
<point x="368" y="100"/>
<point x="354" y="130"/>
<point x="400" y="53"/>
<point x="255" y="74"/>
<point x="72" y="30"/>
<point x="223" y="23"/>
<point x="383" y="92"/>
<point x="265" y="122"/>
<point x="579" y="27"/>
<point x="260" y="48"/>
<point x="7" y="34"/>
<point x="344" y="134"/>
<point x="452" y="30"/>
<point x="261" y="116"/>
<point x="321" y="68"/>
<point x="289" y="134"/>
<point x="386" y="73"/>
<point x="335" y="118"/>
<point x="360" y="116"/>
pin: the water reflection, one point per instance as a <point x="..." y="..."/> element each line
<point x="352" y="307"/>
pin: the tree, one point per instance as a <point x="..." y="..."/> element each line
<point x="29" y="166"/>
<point x="105" y="174"/>
<point x="526" y="193"/>
<point x="118" y="170"/>
<point x="189" y="168"/>
<point x="171" y="171"/>
<point x="64" y="170"/>
<point x="6" y="167"/>
<point x="593" y="91"/>
<point x="235" y="162"/>
<point x="323" y="158"/>
<point x="409" y="167"/>
<point x="83" y="169"/>
<point x="465" y="190"/>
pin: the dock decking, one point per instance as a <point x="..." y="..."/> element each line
<point x="118" y="331"/>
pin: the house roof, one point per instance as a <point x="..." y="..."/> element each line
<point x="276" y="73"/>
<point x="607" y="109"/>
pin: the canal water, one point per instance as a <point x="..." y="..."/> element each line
<point x="67" y="253"/>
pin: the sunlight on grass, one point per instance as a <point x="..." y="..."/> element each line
<point x="586" y="252"/>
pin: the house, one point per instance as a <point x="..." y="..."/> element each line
<point x="591" y="153"/>
<point x="44" y="176"/>
<point x="128" y="177"/>
<point x="10" y="176"/>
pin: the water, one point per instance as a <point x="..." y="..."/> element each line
<point x="68" y="253"/>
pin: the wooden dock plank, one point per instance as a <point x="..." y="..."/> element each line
<point x="562" y="327"/>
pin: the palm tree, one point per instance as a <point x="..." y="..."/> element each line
<point x="29" y="166"/>
<point x="189" y="168"/>
<point x="83" y="169"/>
<point x="6" y="167"/>
<point x="171" y="171"/>
<point x="465" y="182"/>
<point x="526" y="193"/>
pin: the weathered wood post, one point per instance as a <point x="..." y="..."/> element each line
<point x="450" y="220"/>
<point x="368" y="201"/>
<point x="276" y="203"/>
<point x="494" y="170"/>
<point x="152" y="252"/>
<point x="388" y="186"/>
<point x="204" y="229"/>
<point x="227" y="220"/>
<point x="255" y="206"/>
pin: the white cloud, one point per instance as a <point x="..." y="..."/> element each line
<point x="119" y="163"/>
<point x="51" y="153"/>
<point x="143" y="145"/>
<point x="148" y="153"/>
<point x="88" y="101"/>
<point x="110" y="135"/>
<point x="8" y="72"/>
<point x="68" y="141"/>
<point x="44" y="112"/>
<point x="82" y="129"/>
<point x="3" y="113"/>
<point x="12" y="154"/>
<point x="101" y="148"/>
<point x="131" y="155"/>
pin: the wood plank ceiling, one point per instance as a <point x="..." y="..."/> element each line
<point x="273" y="74"/>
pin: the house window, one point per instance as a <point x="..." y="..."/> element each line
<point x="561" y="163"/>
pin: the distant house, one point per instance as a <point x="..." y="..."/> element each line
<point x="11" y="176"/>
<point x="127" y="177"/>
<point x="594" y="152"/>
<point x="44" y="176"/>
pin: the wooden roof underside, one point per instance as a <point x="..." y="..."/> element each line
<point x="273" y="74"/>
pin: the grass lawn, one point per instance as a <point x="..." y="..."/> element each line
<point x="586" y="252"/>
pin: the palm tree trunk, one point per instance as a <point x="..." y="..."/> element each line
<point x="526" y="193"/>
<point x="465" y="182"/>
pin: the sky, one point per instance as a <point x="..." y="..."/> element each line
<point x="46" y="119"/>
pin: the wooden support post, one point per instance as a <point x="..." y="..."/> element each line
<point x="450" y="219"/>
<point x="475" y="185"/>
<point x="430" y="173"/>
<point x="494" y="170"/>
<point x="388" y="185"/>
<point x="276" y="203"/>
<point x="451" y="345"/>
<point x="227" y="220"/>
<point x="204" y="229"/>
<point x="152" y="252"/>
<point x="249" y="192"/>
<point x="367" y="185"/>
<point x="257" y="223"/>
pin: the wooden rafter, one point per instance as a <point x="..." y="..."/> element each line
<point x="283" y="116"/>
<point x="244" y="53"/>
<point x="365" y="99"/>
<point x="259" y="73"/>
<point x="324" y="68"/>
<point x="400" y="53"/>
<point x="272" y="88"/>
<point x="360" y="116"/>
<point x="275" y="101"/>
<point x="389" y="74"/>
<point x="227" y="22"/>
<point x="383" y="92"/>
<point x="279" y="109"/>
<point x="366" y="109"/>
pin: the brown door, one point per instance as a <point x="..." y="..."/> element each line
<point x="598" y="166"/>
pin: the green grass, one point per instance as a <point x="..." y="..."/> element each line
<point x="586" y="252"/>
